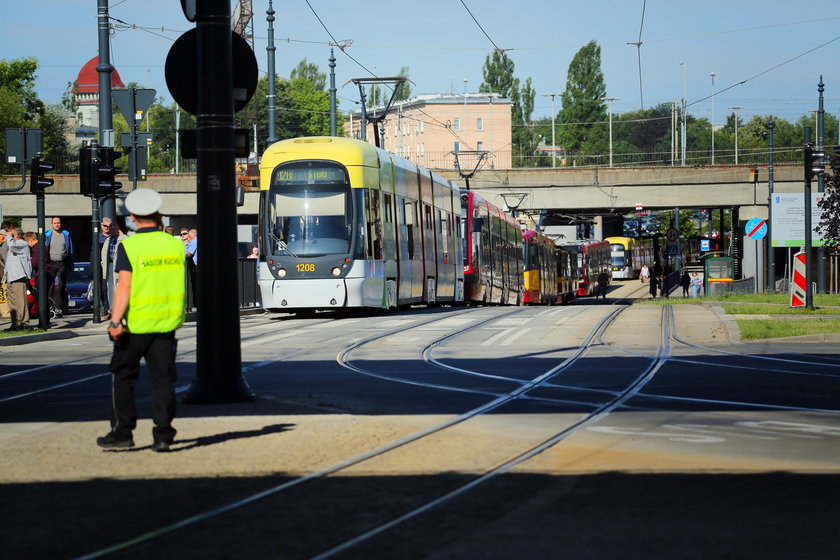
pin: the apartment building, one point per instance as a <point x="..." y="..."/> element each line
<point x="430" y="128"/>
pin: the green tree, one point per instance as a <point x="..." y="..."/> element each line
<point x="405" y="89"/>
<point x="19" y="104"/>
<point x="499" y="78"/>
<point x="309" y="71"/>
<point x="53" y="124"/>
<point x="584" y="113"/>
<point x="498" y="75"/>
<point x="829" y="226"/>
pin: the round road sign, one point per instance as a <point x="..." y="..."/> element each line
<point x="672" y="234"/>
<point x="756" y="229"/>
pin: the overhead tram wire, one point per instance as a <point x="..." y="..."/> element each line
<point x="742" y="82"/>
<point x="366" y="69"/>
<point x="495" y="46"/>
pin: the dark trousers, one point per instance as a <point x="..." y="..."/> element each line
<point x="57" y="284"/>
<point x="159" y="351"/>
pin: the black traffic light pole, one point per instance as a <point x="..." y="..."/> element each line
<point x="218" y="361"/>
<point x="813" y="166"/>
<point x="37" y="185"/>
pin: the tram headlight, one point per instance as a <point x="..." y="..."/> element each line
<point x="336" y="271"/>
<point x="281" y="273"/>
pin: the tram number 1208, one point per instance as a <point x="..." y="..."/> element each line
<point x="305" y="267"/>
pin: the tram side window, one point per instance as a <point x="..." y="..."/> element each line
<point x="411" y="226"/>
<point x="444" y="231"/>
<point x="372" y="211"/>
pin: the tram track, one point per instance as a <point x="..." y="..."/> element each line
<point x="598" y="412"/>
<point x="259" y="337"/>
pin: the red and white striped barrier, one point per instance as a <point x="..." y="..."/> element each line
<point x="798" y="281"/>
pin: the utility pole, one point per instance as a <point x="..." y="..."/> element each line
<point x="712" y="74"/>
<point x="821" y="258"/>
<point x="771" y="264"/>
<point x="683" y="134"/>
<point x="735" y="110"/>
<point x="553" y="141"/>
<point x="272" y="87"/>
<point x="106" y="118"/>
<point x="332" y="94"/>
<point x="610" y="100"/>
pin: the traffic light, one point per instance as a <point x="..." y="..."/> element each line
<point x="38" y="182"/>
<point x="86" y="158"/>
<point x="835" y="160"/>
<point x="104" y="176"/>
<point x="814" y="164"/>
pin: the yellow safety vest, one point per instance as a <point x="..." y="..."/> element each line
<point x="158" y="296"/>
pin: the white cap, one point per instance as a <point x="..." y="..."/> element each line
<point x="143" y="202"/>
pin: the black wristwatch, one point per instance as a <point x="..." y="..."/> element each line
<point x="114" y="325"/>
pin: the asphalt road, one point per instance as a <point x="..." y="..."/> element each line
<point x="593" y="430"/>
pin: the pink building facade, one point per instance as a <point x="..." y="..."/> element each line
<point x="428" y="129"/>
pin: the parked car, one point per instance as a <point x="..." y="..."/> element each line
<point x="78" y="284"/>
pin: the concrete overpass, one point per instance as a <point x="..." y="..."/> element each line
<point x="602" y="191"/>
<point x="575" y="191"/>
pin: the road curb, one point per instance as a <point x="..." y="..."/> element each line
<point x="37" y="337"/>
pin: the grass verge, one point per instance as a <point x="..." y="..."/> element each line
<point x="7" y="334"/>
<point x="760" y="328"/>
<point x="772" y="309"/>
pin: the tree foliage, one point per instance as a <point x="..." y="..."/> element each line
<point x="829" y="226"/>
<point x="584" y="111"/>
<point x="499" y="78"/>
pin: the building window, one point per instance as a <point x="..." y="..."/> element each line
<point x="479" y="124"/>
<point x="480" y="146"/>
<point x="457" y="146"/>
<point x="457" y="125"/>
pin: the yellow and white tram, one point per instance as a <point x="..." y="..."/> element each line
<point x="344" y="224"/>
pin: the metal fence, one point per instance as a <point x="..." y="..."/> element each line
<point x="248" y="293"/>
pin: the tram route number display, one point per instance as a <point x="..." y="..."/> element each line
<point x="309" y="175"/>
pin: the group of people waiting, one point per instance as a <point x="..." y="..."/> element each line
<point x="20" y="268"/>
<point x="658" y="282"/>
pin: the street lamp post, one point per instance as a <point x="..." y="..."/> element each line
<point x="712" y="74"/>
<point x="609" y="101"/>
<point x="464" y="125"/>
<point x="735" y="110"/>
<point x="553" y="141"/>
<point x="683" y="135"/>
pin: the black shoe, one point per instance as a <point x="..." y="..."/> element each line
<point x="110" y="441"/>
<point x="161" y="446"/>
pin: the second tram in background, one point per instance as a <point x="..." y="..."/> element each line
<point x="492" y="252"/>
<point x="593" y="258"/>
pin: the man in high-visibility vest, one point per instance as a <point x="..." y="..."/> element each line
<point x="148" y="308"/>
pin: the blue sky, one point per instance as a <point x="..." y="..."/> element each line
<point x="442" y="45"/>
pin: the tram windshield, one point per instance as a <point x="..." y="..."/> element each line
<point x="310" y="210"/>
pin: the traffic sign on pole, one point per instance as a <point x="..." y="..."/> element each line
<point x="756" y="229"/>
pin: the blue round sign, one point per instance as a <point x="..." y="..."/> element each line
<point x="756" y="228"/>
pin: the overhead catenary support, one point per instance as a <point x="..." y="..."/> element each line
<point x="375" y="120"/>
<point x="272" y="86"/>
<point x="467" y="175"/>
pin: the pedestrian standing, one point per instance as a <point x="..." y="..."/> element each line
<point x="654" y="281"/>
<point x="191" y="248"/>
<point x="108" y="259"/>
<point x="603" y="282"/>
<point x="59" y="251"/>
<point x="645" y="274"/>
<point x="696" y="284"/>
<point x="4" y="250"/>
<point x="16" y="277"/>
<point x="148" y="309"/>
<point x="685" y="282"/>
